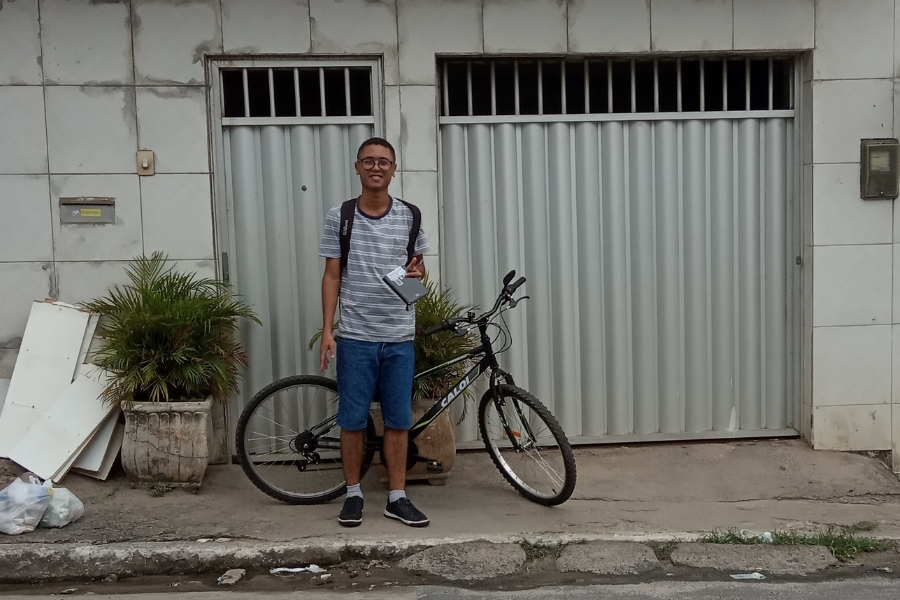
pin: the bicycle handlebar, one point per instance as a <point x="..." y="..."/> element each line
<point x="513" y="287"/>
<point x="442" y="326"/>
<point x="504" y="297"/>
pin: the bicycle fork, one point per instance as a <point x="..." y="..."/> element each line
<point x="500" y="402"/>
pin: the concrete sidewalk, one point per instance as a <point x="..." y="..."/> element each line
<point x="624" y="493"/>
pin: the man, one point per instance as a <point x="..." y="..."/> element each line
<point x="374" y="347"/>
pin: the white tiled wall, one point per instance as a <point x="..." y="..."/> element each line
<point x="895" y="364"/>
<point x="265" y="26"/>
<point x="420" y="188"/>
<point x="845" y="111"/>
<point x="851" y="38"/>
<point x="895" y="439"/>
<point x="418" y="127"/>
<point x="767" y="24"/>
<point x="392" y="122"/>
<point x="23" y="283"/>
<point x="840" y="216"/>
<point x="429" y="26"/>
<point x="852" y="285"/>
<point x="22" y="108"/>
<point x="8" y="361"/>
<point x="852" y="365"/>
<point x="20" y="44"/>
<point x="85" y="242"/>
<point x="372" y="30"/>
<point x="806" y="372"/>
<point x="688" y="25"/>
<point x="851" y="97"/>
<point x="896" y="291"/>
<point x="864" y="427"/>
<point x="80" y="281"/>
<point x="507" y="21"/>
<point x="170" y="39"/>
<point x="171" y="121"/>
<point x="86" y="42"/>
<point x="25" y="204"/>
<point x="103" y="136"/>
<point x="609" y="26"/>
<point x="177" y="216"/>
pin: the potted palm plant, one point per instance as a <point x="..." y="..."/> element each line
<point x="169" y="348"/>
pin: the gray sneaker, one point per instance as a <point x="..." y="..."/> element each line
<point x="351" y="514"/>
<point x="403" y="510"/>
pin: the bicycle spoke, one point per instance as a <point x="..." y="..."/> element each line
<point x="519" y="433"/>
<point x="288" y="442"/>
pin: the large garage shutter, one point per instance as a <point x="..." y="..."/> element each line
<point x="659" y="251"/>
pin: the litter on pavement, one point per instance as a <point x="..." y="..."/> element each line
<point x="231" y="576"/>
<point x="28" y="503"/>
<point x="309" y="569"/>
<point x="753" y="575"/>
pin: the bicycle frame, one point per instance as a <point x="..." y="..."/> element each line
<point x="487" y="362"/>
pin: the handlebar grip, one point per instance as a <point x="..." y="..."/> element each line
<point x="443" y="326"/>
<point x="513" y="286"/>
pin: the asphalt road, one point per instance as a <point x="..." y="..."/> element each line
<point x="868" y="589"/>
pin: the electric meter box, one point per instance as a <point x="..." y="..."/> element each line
<point x="879" y="169"/>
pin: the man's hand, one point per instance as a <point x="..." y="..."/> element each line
<point x="416" y="267"/>
<point x="326" y="350"/>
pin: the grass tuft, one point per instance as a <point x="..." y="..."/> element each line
<point x="536" y="550"/>
<point x="663" y="550"/>
<point x="159" y="489"/>
<point x="842" y="541"/>
<point x="859" y="526"/>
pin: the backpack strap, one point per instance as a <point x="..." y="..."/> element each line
<point x="348" y="211"/>
<point x="414" y="230"/>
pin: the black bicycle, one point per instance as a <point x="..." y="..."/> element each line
<point x="288" y="441"/>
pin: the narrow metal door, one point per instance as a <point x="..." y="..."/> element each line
<point x="285" y="161"/>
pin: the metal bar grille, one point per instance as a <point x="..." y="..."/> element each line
<point x="719" y="85"/>
<point x="292" y="95"/>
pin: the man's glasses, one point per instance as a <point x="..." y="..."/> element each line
<point x="383" y="163"/>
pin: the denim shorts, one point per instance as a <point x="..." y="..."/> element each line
<point x="366" y="367"/>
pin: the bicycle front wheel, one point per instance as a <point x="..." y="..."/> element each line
<point x="527" y="445"/>
<point x="289" y="444"/>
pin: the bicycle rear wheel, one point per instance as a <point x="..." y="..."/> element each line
<point x="288" y="441"/>
<point x="527" y="445"/>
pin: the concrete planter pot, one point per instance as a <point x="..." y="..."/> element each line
<point x="437" y="442"/>
<point x="166" y="442"/>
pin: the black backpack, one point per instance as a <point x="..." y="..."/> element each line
<point x="348" y="212"/>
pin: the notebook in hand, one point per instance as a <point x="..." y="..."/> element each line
<point x="409" y="289"/>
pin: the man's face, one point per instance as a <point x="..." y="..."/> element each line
<point x="375" y="167"/>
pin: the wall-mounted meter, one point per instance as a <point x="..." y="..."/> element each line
<point x="879" y="175"/>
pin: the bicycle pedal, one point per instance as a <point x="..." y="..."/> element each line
<point x="434" y="467"/>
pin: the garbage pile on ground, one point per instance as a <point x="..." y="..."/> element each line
<point x="52" y="418"/>
<point x="28" y="503"/>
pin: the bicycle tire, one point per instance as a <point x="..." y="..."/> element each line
<point x="544" y="454"/>
<point x="278" y="418"/>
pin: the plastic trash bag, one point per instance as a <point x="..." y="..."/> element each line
<point x="64" y="508"/>
<point x="22" y="505"/>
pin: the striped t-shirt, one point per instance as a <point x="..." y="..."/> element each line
<point x="369" y="310"/>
